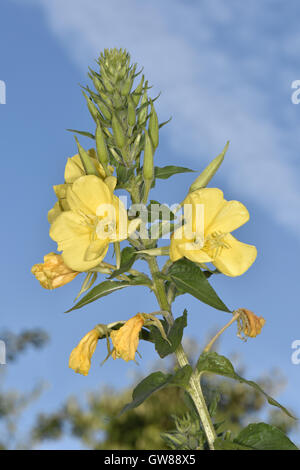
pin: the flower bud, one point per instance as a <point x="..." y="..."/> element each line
<point x="143" y="108"/>
<point x="131" y="117"/>
<point x="80" y="358"/>
<point x="136" y="95"/>
<point x="148" y="166"/>
<point x="53" y="272"/>
<point x="118" y="132"/>
<point x="101" y="146"/>
<point x="104" y="109"/>
<point x="97" y="83"/>
<point x="88" y="165"/>
<point x="207" y="174"/>
<point x="153" y="127"/>
<point x="126" y="339"/>
<point x="125" y="90"/>
<point x="92" y="108"/>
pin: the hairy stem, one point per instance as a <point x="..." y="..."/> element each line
<point x="195" y="390"/>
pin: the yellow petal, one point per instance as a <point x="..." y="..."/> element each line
<point x="80" y="358"/>
<point x="111" y="182"/>
<point x="235" y="260"/>
<point x="126" y="339"/>
<point x="74" y="255"/>
<point x="92" y="192"/>
<point x="212" y="200"/>
<point x="232" y="215"/>
<point x="73" y="237"/>
<point x="68" y="225"/>
<point x="74" y="168"/>
<point x="181" y="246"/>
<point x="54" y="212"/>
<point x="95" y="250"/>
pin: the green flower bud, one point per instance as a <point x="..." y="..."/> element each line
<point x="101" y="147"/>
<point x="109" y="87"/>
<point x="136" y="95"/>
<point x="131" y="117"/>
<point x="92" y="108"/>
<point x="125" y="90"/>
<point x="148" y="167"/>
<point x="144" y="108"/>
<point x="97" y="83"/>
<point x="118" y="132"/>
<point x="207" y="174"/>
<point x="153" y="127"/>
<point x="88" y="165"/>
<point x="104" y="109"/>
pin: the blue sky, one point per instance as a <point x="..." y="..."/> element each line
<point x="225" y="70"/>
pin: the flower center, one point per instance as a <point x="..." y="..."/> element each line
<point x="215" y="243"/>
<point x="105" y="228"/>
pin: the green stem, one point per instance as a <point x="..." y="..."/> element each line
<point x="194" y="389"/>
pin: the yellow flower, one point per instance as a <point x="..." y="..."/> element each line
<point x="126" y="339"/>
<point x="249" y="323"/>
<point x="212" y="242"/>
<point x="53" y="272"/>
<point x="74" y="169"/>
<point x="96" y="218"/>
<point x="80" y="358"/>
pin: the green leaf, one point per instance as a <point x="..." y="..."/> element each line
<point x="181" y="377"/>
<point x="221" y="444"/>
<point x="190" y="279"/>
<point x="220" y="365"/>
<point x="175" y="336"/>
<point x="156" y="381"/>
<point x="86" y="134"/>
<point x="107" y="287"/>
<point x="127" y="259"/>
<point x="262" y="436"/>
<point x="170" y="170"/>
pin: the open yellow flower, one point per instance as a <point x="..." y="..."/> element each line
<point x="80" y="358"/>
<point x="74" y="169"/>
<point x="53" y="272"/>
<point x="96" y="218"/>
<point x="126" y="339"/>
<point x="212" y="242"/>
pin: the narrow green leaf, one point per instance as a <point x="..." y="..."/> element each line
<point x="85" y="134"/>
<point x="105" y="288"/>
<point x="156" y="381"/>
<point x="170" y="170"/>
<point x="175" y="336"/>
<point x="262" y="436"/>
<point x="220" y="365"/>
<point x="190" y="279"/>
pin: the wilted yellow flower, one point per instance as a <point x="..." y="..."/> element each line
<point x="126" y="339"/>
<point x="249" y="323"/>
<point x="74" y="169"/>
<point x="96" y="218"/>
<point x="80" y="358"/>
<point x="53" y="272"/>
<point x="212" y="242"/>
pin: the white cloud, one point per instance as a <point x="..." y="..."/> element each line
<point x="225" y="71"/>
